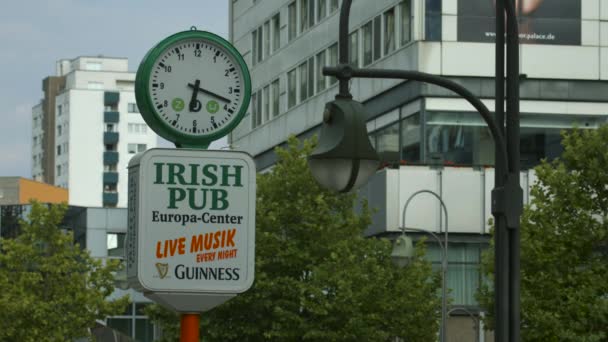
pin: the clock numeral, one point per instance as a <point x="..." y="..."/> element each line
<point x="193" y="123"/>
<point x="197" y="53"/>
<point x="180" y="56"/>
<point x="229" y="90"/>
<point x="226" y="72"/>
<point x="167" y="68"/>
<point x="226" y="106"/>
<point x="162" y="85"/>
<point x="165" y="103"/>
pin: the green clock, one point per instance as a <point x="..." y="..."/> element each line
<point x="193" y="88"/>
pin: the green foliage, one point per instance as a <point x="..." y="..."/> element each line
<point x="564" y="242"/>
<point x="50" y="289"/>
<point x="317" y="278"/>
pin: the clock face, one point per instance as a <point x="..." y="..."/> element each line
<point x="196" y="88"/>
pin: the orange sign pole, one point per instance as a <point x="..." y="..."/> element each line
<point x="189" y="327"/>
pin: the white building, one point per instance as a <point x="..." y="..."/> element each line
<point x="87" y="128"/>
<point x="427" y="137"/>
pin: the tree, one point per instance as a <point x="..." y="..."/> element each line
<point x="51" y="289"/>
<point x="317" y="278"/>
<point x="564" y="243"/>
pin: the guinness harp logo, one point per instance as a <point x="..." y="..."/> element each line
<point x="162" y="269"/>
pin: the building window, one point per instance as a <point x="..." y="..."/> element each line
<point x="333" y="60"/>
<point x="387" y="143"/>
<point x="410" y="139"/>
<point x="432" y="20"/>
<point x="303" y="75"/>
<point x="59" y="110"/>
<point x="132" y="108"/>
<point x="292" y="21"/>
<point x="333" y="5"/>
<point x="58" y="170"/>
<point x="259" y="45"/>
<point x="254" y="47"/>
<point x="320" y="78"/>
<point x="463" y="277"/>
<point x="115" y="243"/>
<point x="136" y="148"/>
<point x="58" y="150"/>
<point x="353" y="47"/>
<point x="389" y="31"/>
<point x="366" y="33"/>
<point x="59" y="130"/>
<point x="93" y="66"/>
<point x="133" y="323"/>
<point x="266" y="103"/>
<point x="109" y="188"/>
<point x="304" y="23"/>
<point x="276" y="32"/>
<point x="137" y="128"/>
<point x="406" y="22"/>
<point x="321" y="9"/>
<point x="291" y="88"/>
<point x="255" y="115"/>
<point x="258" y="108"/>
<point x="93" y="85"/>
<point x="35" y="141"/>
<point x="311" y="76"/>
<point x="274" y="90"/>
<point x="266" y="39"/>
<point x="377" y="39"/>
<point x="311" y="13"/>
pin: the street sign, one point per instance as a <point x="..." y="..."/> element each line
<point x="191" y="232"/>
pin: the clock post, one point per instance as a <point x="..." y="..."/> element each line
<point x="191" y="221"/>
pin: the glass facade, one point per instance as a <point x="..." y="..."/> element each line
<point x="463" y="139"/>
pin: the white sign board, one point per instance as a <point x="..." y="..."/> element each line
<point x="191" y="223"/>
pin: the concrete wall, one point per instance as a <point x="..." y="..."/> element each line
<point x="466" y="193"/>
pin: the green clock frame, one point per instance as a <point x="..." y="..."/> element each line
<point x="144" y="99"/>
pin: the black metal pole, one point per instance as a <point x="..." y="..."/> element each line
<point x="501" y="256"/>
<point x="343" y="43"/>
<point x="513" y="151"/>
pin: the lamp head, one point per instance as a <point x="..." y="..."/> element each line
<point x="403" y="251"/>
<point x="344" y="159"/>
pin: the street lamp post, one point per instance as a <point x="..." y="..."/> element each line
<point x="507" y="195"/>
<point x="399" y="252"/>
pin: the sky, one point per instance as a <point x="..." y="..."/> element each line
<point x="34" y="34"/>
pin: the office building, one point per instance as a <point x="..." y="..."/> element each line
<point x="86" y="129"/>
<point x="427" y="137"/>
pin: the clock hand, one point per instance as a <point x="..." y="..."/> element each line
<point x="195" y="105"/>
<point x="208" y="92"/>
